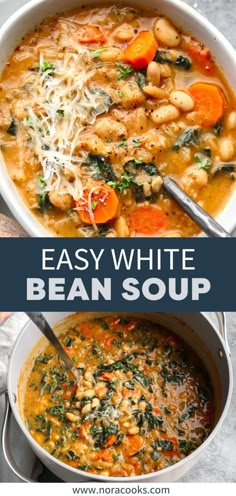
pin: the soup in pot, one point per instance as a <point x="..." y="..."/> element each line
<point x="97" y="104"/>
<point x="143" y="403"/>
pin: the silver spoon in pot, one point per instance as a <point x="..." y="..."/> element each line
<point x="209" y="225"/>
<point x="39" y="320"/>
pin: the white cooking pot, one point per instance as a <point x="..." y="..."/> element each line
<point x="196" y="330"/>
<point x="183" y="15"/>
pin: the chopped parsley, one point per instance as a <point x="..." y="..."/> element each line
<point x="125" y="71"/>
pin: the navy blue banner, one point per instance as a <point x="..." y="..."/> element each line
<point x="118" y="275"/>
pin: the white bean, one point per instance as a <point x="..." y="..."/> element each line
<point x="95" y="403"/>
<point x="147" y="189"/>
<point x="182" y="100"/>
<point x="88" y="376"/>
<point x="71" y="417"/>
<point x="157" y="183"/>
<point x="86" y="409"/>
<point x="154" y="73"/>
<point x="109" y="128"/>
<point x="121" y="227"/>
<point x="133" y="430"/>
<point x="231" y="120"/>
<point x="89" y="393"/>
<point x="63" y="201"/>
<point x="154" y="92"/>
<point x="124" y="33"/>
<point x="165" y="114"/>
<point x="111" y="54"/>
<point x="226" y="149"/>
<point x="132" y="96"/>
<point x="166" y="33"/>
<point x="193" y="177"/>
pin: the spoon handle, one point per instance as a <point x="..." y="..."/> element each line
<point x="197" y="214"/>
<point x="39" y="320"/>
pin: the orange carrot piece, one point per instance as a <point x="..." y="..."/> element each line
<point x="130" y="326"/>
<point x="200" y="55"/>
<point x="209" y="103"/>
<point x="133" y="445"/>
<point x="110" y="441"/>
<point x="103" y="202"/>
<point x="90" y="34"/>
<point x="108" y="341"/>
<point x="141" y="51"/>
<point x="148" y="220"/>
<point x="106" y="455"/>
<point x="107" y="376"/>
<point x="156" y="410"/>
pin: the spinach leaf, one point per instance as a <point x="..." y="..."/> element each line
<point x="143" y="380"/>
<point x="187" y="446"/>
<point x="44" y="358"/>
<point x="44" y="202"/>
<point x="12" y="130"/>
<point x="71" y="455"/>
<point x="164" y="444"/>
<point x="172" y="376"/>
<point x="218" y="128"/>
<point x="101" y="433"/>
<point x="188" y="413"/>
<point x="181" y="62"/>
<point x="129" y="385"/>
<point x="105" y="104"/>
<point x="133" y="166"/>
<point x="155" y="455"/>
<point x="141" y="78"/>
<point x="68" y="342"/>
<point x="102" y="167"/>
<point x="56" y="410"/>
<point x="227" y="167"/>
<point x="44" y="426"/>
<point x="163" y="57"/>
<point x="124" y="363"/>
<point x="188" y="138"/>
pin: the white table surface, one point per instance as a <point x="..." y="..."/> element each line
<point x="218" y="464"/>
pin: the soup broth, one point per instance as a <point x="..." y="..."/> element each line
<point x="97" y="104"/>
<point x="143" y="403"/>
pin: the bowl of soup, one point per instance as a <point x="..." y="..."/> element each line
<point x="100" y="101"/>
<point x="153" y="391"/>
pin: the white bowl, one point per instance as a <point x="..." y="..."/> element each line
<point x="182" y="14"/>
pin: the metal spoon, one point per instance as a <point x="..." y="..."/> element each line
<point x="197" y="214"/>
<point x="39" y="320"/>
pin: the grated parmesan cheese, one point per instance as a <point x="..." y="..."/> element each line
<point x="61" y="107"/>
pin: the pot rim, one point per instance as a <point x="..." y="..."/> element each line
<point x="136" y="478"/>
<point x="9" y="191"/>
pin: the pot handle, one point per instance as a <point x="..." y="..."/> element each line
<point x="221" y="318"/>
<point x="6" y="444"/>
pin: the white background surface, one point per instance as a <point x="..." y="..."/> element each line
<point x="218" y="463"/>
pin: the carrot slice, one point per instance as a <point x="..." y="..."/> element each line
<point x="106" y="455"/>
<point x="110" y="441"/>
<point x="90" y="34"/>
<point x="141" y="51"/>
<point x="98" y="205"/>
<point x="209" y="103"/>
<point x="133" y="445"/>
<point x="148" y="220"/>
<point x="200" y="55"/>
